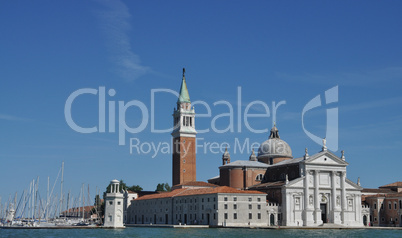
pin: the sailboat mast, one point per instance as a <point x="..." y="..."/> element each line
<point x="68" y="200"/>
<point x="33" y="199"/>
<point x="47" y="199"/>
<point x="61" y="187"/>
<point x="36" y="197"/>
<point x="83" y="202"/>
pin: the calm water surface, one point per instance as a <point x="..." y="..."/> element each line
<point x="200" y="232"/>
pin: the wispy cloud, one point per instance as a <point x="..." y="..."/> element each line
<point x="115" y="25"/>
<point x="372" y="104"/>
<point x="12" y="118"/>
<point x="346" y="78"/>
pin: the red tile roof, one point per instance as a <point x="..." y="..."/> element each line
<point x="198" y="191"/>
<point x="377" y="190"/>
<point x="396" y="184"/>
<point x="268" y="185"/>
<point x="79" y="209"/>
<point x="384" y="195"/>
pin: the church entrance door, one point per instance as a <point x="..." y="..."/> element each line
<point x="272" y="219"/>
<point x="323" y="207"/>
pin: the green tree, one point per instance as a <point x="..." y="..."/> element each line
<point x="163" y="187"/>
<point x="135" y="188"/>
<point x="99" y="206"/>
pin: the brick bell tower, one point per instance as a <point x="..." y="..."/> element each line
<point x="184" y="163"/>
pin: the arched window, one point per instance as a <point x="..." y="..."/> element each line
<point x="400" y="204"/>
<point x="259" y="177"/>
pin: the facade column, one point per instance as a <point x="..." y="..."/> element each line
<point x="306" y="197"/>
<point x="343" y="196"/>
<point x="269" y="218"/>
<point x="333" y="197"/>
<point x="317" y="210"/>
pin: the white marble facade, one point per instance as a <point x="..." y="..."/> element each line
<point x="322" y="194"/>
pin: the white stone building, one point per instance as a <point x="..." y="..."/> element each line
<point x="198" y="205"/>
<point x="114" y="206"/>
<point x="311" y="190"/>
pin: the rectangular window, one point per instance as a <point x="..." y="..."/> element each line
<point x="375" y="205"/>
<point x="250" y="206"/>
<point x="389" y="206"/>
<point x="202" y="216"/>
<point x="259" y="206"/>
<point x="235" y="199"/>
<point x="250" y="199"/>
<point x="214" y="216"/>
<point x="259" y="199"/>
<point x="208" y="199"/>
<point x="110" y="218"/>
<point x="234" y="206"/>
<point x="250" y="216"/>
<point x="226" y="216"/>
<point x="235" y="216"/>
<point x="202" y="200"/>
<point x="395" y="206"/>
<point x="225" y="199"/>
<point x="259" y="216"/>
<point x="226" y="206"/>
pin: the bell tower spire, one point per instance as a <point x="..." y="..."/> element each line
<point x="184" y="133"/>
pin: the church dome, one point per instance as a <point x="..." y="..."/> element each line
<point x="274" y="147"/>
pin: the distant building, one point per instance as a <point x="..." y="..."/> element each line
<point x="385" y="205"/>
<point x="199" y="204"/>
<point x="114" y="206"/>
<point x="240" y="174"/>
<point x="269" y="189"/>
<point x="310" y="190"/>
<point x="80" y="212"/>
<point x="184" y="144"/>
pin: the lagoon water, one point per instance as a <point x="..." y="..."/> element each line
<point x="200" y="232"/>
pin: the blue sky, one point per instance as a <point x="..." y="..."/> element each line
<point x="273" y="50"/>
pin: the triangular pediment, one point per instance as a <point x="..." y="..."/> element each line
<point x="295" y="183"/>
<point x="326" y="158"/>
<point x="352" y="185"/>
